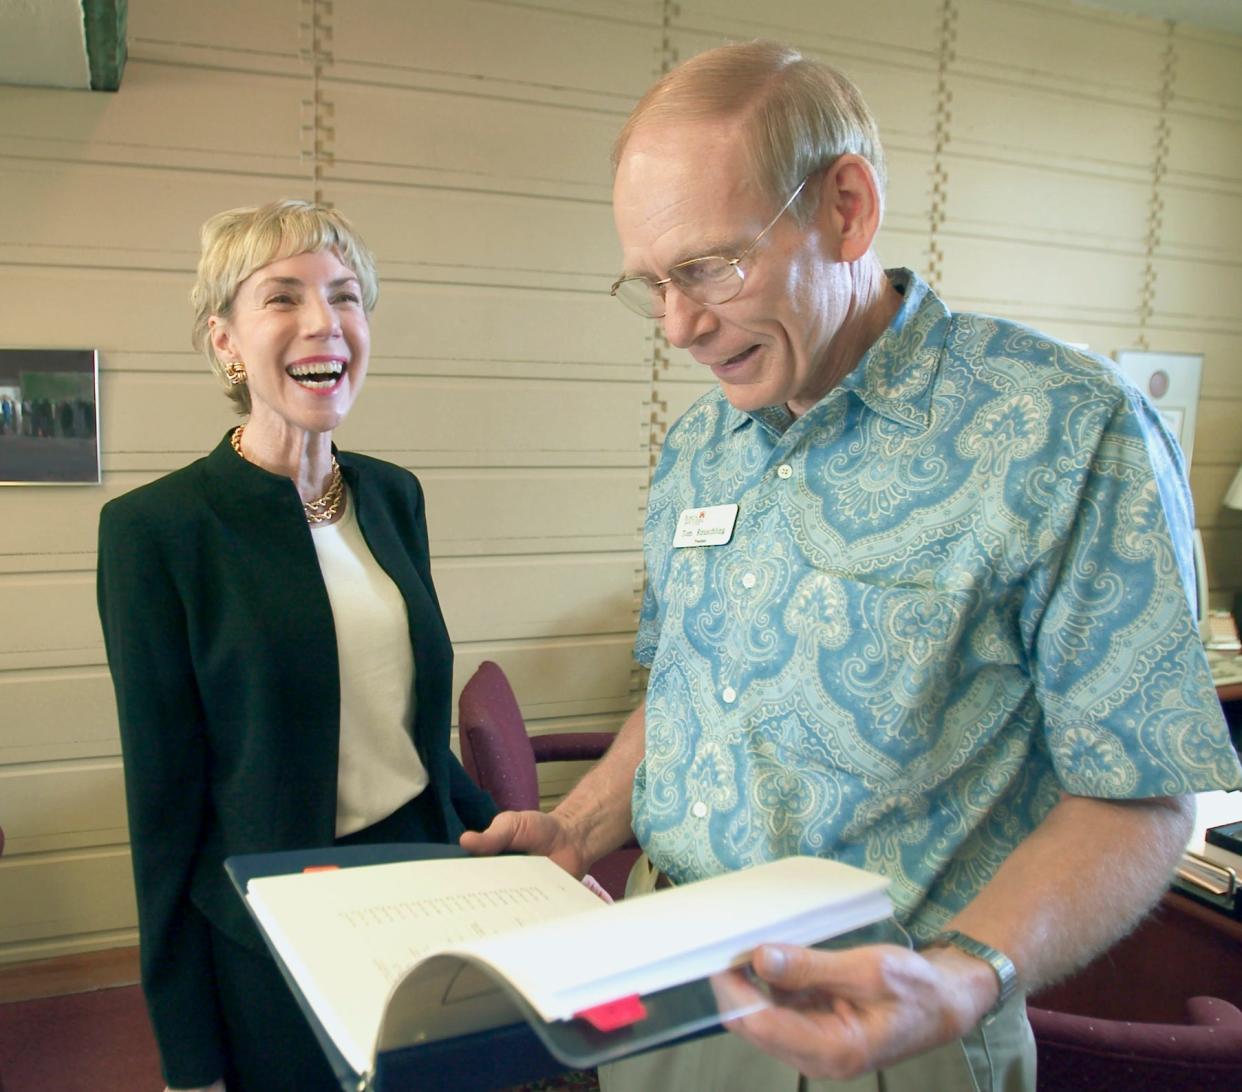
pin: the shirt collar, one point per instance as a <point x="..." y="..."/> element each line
<point x="895" y="377"/>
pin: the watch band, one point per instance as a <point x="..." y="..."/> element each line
<point x="1001" y="964"/>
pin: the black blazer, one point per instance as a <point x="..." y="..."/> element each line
<point x="221" y="643"/>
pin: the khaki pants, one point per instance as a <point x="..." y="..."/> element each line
<point x="997" y="1056"/>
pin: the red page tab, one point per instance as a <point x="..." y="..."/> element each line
<point x="611" y="1015"/>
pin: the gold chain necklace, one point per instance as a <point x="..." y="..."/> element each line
<point x="321" y="509"/>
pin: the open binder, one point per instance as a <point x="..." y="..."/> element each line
<point x="548" y="993"/>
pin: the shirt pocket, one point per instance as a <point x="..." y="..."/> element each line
<point x="891" y="664"/>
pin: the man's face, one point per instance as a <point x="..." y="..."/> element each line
<point x="683" y="191"/>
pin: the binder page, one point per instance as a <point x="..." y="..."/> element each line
<point x="348" y="935"/>
<point x="682" y="933"/>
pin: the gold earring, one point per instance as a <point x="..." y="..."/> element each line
<point x="236" y="372"/>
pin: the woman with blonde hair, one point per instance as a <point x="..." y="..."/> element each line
<point x="282" y="670"/>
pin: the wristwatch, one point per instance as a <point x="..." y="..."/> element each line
<point x="1001" y="964"/>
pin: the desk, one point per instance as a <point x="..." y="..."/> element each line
<point x="1230" y="696"/>
<point x="1226" y="673"/>
<point x="1229" y="691"/>
<point x="1182" y="950"/>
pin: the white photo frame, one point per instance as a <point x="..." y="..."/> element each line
<point x="1171" y="381"/>
<point x="49" y="417"/>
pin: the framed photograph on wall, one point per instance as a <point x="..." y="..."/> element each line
<point x="1171" y="381"/>
<point x="49" y="417"/>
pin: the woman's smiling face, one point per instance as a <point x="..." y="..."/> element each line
<point x="299" y="326"/>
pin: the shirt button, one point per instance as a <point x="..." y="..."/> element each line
<point x="729" y="694"/>
<point x="748" y="581"/>
<point x="699" y="810"/>
<point x="784" y="471"/>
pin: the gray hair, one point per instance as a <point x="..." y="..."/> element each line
<point x="798" y="115"/>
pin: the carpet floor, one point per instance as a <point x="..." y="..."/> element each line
<point x="101" y="1042"/>
<point x="84" y="1042"/>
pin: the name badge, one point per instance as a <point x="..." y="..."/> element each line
<point x="705" y="526"/>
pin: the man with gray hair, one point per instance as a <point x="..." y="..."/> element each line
<point x="942" y="631"/>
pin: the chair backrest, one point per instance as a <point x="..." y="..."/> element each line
<point x="1084" y="1052"/>
<point x="495" y="748"/>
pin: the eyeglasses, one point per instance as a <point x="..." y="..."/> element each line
<point x="710" y="279"/>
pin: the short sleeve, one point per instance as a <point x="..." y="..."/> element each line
<point x="1129" y="705"/>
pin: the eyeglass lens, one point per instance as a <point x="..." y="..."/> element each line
<point x="710" y="280"/>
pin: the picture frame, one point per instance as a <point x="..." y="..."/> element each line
<point x="49" y="417"/>
<point x="1171" y="381"/>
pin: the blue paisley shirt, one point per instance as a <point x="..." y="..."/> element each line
<point x="956" y="588"/>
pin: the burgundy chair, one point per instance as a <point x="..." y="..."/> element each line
<point x="1094" y="1055"/>
<point x="502" y="758"/>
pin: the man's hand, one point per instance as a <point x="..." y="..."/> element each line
<point x="534" y="832"/>
<point x="840" y="1014"/>
<point x="1083" y="877"/>
<point x="592" y="820"/>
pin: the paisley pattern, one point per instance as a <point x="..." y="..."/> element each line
<point x="956" y="588"/>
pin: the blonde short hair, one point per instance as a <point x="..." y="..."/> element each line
<point x="239" y="241"/>
<point x="798" y="115"/>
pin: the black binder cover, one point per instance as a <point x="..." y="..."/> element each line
<point x="485" y="1060"/>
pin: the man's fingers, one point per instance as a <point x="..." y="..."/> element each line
<point x="841" y="1013"/>
<point x="533" y="832"/>
<point x="495" y="839"/>
<point x="858" y="974"/>
<point x="793" y="968"/>
<point x="817" y="1043"/>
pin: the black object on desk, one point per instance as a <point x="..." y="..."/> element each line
<point x="1227" y="836"/>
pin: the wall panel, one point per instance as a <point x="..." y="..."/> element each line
<point x="1010" y="277"/>
<point x="899" y="26"/>
<point x="514" y="146"/>
<point x="86" y="895"/>
<point x="529" y="327"/>
<point x="1067" y="208"/>
<point x="1207" y="70"/>
<point x="531" y="511"/>
<point x="1032" y="43"/>
<point x="593" y="58"/>
<point x="170" y="114"/>
<point x="1030" y="123"/>
<point x="80" y="214"/>
<point x="560" y="678"/>
<point x="64" y="806"/>
<point x="1205" y="146"/>
<point x="518" y="598"/>
<point x="52" y="714"/>
<point x="49" y="619"/>
<point x="519" y="240"/>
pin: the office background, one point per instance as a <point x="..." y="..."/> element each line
<point x="1069" y="167"/>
